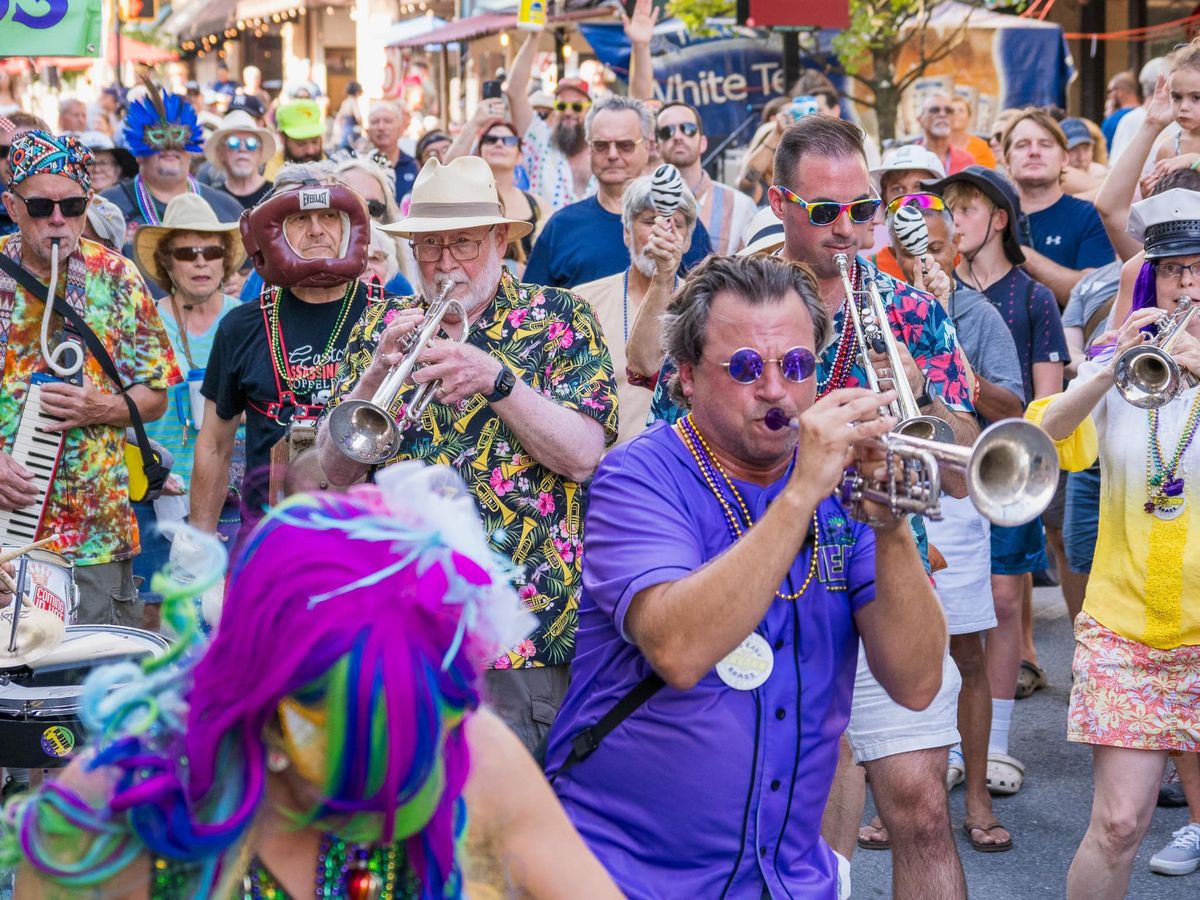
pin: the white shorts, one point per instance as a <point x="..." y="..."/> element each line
<point x="879" y="726"/>
<point x="964" y="537"/>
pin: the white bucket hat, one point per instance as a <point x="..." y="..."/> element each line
<point x="239" y="120"/>
<point x="908" y="158"/>
<point x="461" y="194"/>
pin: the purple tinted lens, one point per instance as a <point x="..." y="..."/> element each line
<point x="798" y="364"/>
<point x="745" y="366"/>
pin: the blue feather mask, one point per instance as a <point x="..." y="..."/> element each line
<point x="161" y="121"/>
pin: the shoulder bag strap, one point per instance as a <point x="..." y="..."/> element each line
<point x="150" y="460"/>
<point x="587" y="741"/>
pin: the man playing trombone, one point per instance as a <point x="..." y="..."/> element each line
<point x="824" y="196"/>
<point x="523" y="405"/>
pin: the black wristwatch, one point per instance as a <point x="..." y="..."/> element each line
<point x="503" y="385"/>
<point x="925" y="397"/>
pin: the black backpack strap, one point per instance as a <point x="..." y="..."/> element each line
<point x="151" y="463"/>
<point x="587" y="741"/>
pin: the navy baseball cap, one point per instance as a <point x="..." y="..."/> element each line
<point x="1077" y="133"/>
<point x="248" y="103"/>
<point x="1000" y="191"/>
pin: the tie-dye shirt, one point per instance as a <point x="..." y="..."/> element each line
<point x="89" y="499"/>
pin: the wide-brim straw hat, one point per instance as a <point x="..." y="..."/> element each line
<point x="239" y="120"/>
<point x="187" y="212"/>
<point x="461" y="194"/>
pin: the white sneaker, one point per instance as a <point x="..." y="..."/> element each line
<point x="1182" y="855"/>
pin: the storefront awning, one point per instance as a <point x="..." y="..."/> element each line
<point x="481" y="25"/>
<point x="200" y="17"/>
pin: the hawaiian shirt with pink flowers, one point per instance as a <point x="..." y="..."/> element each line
<point x="551" y="340"/>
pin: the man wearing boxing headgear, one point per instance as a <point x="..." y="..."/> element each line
<point x="525" y="407"/>
<point x="274" y="360"/>
<point x="87" y="495"/>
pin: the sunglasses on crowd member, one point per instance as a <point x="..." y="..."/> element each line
<point x="922" y="200"/>
<point x="235" y="143"/>
<point x="376" y="209"/>
<point x="43" y="207"/>
<point x="189" y="254"/>
<point x="623" y="147"/>
<point x="508" y="140"/>
<point x="575" y="106"/>
<point x="463" y="250"/>
<point x="825" y="212"/>
<point x="939" y="110"/>
<point x="687" y="129"/>
<point x="746" y="365"/>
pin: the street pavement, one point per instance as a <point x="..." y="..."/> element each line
<point x="1050" y="814"/>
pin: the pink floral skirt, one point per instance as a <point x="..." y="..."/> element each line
<point x="1129" y="695"/>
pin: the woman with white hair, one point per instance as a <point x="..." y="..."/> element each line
<point x="630" y="304"/>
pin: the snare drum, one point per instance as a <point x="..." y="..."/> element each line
<point x="52" y="584"/>
<point x="39" y="703"/>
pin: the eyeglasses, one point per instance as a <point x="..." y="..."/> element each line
<point x="376" y="209"/>
<point x="508" y="140"/>
<point x="1176" y="270"/>
<point x="103" y="162"/>
<point x="623" y="147"/>
<point x="189" y="254"/>
<point x="43" y="207"/>
<point x="235" y="143"/>
<point x="687" y="129"/>
<point x="921" y="201"/>
<point x="462" y="250"/>
<point x="577" y="106"/>
<point x="825" y="212"/>
<point x="746" y="365"/>
<point x="939" y="110"/>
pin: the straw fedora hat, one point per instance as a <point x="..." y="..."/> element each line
<point x="461" y="194"/>
<point x="239" y="120"/>
<point x="187" y="212"/>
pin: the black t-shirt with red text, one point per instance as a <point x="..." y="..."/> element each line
<point x="240" y="377"/>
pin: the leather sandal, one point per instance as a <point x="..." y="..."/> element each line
<point x="982" y="847"/>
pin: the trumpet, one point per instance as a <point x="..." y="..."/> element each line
<point x="366" y="430"/>
<point x="1147" y="376"/>
<point x="873" y="333"/>
<point x="1011" y="472"/>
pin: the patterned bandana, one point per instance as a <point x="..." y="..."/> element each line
<point x="161" y="121"/>
<point x="39" y="152"/>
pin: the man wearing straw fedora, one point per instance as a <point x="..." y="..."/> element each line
<point x="189" y="256"/>
<point x="239" y="150"/>
<point x="524" y="410"/>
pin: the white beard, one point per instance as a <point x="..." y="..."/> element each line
<point x="478" y="292"/>
<point x="645" y="264"/>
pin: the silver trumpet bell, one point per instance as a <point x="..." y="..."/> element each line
<point x="1011" y="473"/>
<point x="1147" y="376"/>
<point x="366" y="431"/>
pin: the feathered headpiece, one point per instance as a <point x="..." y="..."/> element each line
<point x="159" y="121"/>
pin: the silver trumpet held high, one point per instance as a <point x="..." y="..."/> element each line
<point x="1147" y="376"/>
<point x="366" y="431"/>
<point x="871" y="329"/>
<point x="1011" y="473"/>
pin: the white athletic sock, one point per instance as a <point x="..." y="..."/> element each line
<point x="1002" y="711"/>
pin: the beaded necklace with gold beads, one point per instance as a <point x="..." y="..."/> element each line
<point x="710" y="469"/>
<point x="275" y="333"/>
<point x="1164" y="484"/>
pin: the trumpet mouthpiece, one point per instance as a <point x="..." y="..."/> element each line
<point x="776" y="419"/>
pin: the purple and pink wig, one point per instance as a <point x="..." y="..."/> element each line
<point x="333" y="602"/>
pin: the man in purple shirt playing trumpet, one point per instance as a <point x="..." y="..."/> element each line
<point x="724" y="594"/>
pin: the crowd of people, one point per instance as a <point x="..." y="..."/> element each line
<point x="601" y="614"/>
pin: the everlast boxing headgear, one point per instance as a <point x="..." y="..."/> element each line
<point x="278" y="262"/>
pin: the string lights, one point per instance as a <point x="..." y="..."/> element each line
<point x="257" y="27"/>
